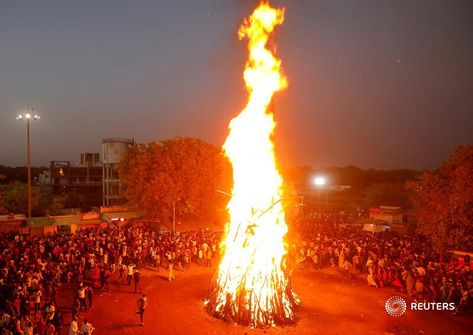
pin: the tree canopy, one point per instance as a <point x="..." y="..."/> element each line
<point x="186" y="172"/>
<point x="10" y="174"/>
<point x="443" y="201"/>
<point x="357" y="178"/>
<point x="14" y="197"/>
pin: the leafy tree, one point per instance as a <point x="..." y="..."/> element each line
<point x="72" y="200"/>
<point x="392" y="194"/>
<point x="181" y="171"/>
<point x="443" y="201"/>
<point x="14" y="197"/>
<point x="9" y="174"/>
<point x="357" y="178"/>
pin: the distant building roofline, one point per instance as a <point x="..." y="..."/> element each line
<point x="118" y="140"/>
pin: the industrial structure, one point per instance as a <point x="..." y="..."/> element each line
<point x="95" y="182"/>
<point x="74" y="184"/>
<point x="113" y="150"/>
<point x="87" y="173"/>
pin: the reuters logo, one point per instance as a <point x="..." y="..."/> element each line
<point x="395" y="306"/>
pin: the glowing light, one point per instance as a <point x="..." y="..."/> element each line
<point x="251" y="284"/>
<point x="27" y="116"/>
<point x="320" y="181"/>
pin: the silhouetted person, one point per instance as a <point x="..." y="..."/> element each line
<point x="142" y="303"/>
<point x="137" y="280"/>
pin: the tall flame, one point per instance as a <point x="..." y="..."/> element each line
<point x="251" y="284"/>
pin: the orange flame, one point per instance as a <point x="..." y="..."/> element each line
<point x="251" y="284"/>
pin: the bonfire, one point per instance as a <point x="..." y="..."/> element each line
<point x="251" y="285"/>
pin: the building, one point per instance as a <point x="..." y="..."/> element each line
<point x="44" y="177"/>
<point x="11" y="222"/>
<point x="74" y="184"/>
<point x="91" y="182"/>
<point x="90" y="158"/>
<point x="113" y="151"/>
<point x="84" y="174"/>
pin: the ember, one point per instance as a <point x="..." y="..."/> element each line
<point x="251" y="285"/>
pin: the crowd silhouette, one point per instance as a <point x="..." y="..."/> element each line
<point x="34" y="271"/>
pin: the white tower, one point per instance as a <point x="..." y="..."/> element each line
<point x="113" y="151"/>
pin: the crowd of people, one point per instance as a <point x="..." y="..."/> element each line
<point x="406" y="264"/>
<point x="34" y="269"/>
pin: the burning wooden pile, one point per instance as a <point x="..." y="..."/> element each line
<point x="251" y="285"/>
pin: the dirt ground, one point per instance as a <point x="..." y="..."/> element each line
<point x="331" y="304"/>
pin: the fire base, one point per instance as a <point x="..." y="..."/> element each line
<point x="245" y="308"/>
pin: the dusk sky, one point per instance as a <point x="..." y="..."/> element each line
<point x="377" y="84"/>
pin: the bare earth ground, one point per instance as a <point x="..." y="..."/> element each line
<point x="331" y="304"/>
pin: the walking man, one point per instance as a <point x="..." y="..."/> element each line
<point x="37" y="301"/>
<point x="142" y="303"/>
<point x="137" y="279"/>
<point x="209" y="258"/>
<point x="171" y="272"/>
<point x="130" y="270"/>
<point x="90" y="295"/>
<point x="121" y="272"/>
<point x="81" y="295"/>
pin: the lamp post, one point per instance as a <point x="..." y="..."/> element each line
<point x="174" y="216"/>
<point x="27" y="117"/>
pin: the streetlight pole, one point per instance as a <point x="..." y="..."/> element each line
<point x="27" y="116"/>
<point x="174" y="218"/>
<point x="28" y="154"/>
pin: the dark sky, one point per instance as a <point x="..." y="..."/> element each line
<point x="378" y="84"/>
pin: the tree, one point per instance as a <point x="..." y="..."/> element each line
<point x="184" y="172"/>
<point x="14" y="197"/>
<point x="9" y="174"/>
<point x="392" y="194"/>
<point x="443" y="201"/>
<point x="72" y="200"/>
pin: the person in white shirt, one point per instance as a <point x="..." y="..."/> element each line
<point x="74" y="328"/>
<point x="81" y="295"/>
<point x="130" y="272"/>
<point x="86" y="328"/>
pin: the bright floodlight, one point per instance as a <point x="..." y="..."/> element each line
<point x="28" y="116"/>
<point x="320" y="181"/>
